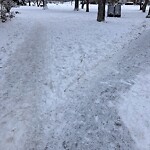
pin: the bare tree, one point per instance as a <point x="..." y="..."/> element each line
<point x="29" y="3"/>
<point x="6" y="6"/>
<point x="38" y="2"/>
<point x="141" y="5"/>
<point x="144" y="5"/>
<point x="83" y="2"/>
<point x="76" y="8"/>
<point x="87" y="5"/>
<point x="45" y="4"/>
<point x="101" y="10"/>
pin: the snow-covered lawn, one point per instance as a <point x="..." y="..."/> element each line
<point x="66" y="79"/>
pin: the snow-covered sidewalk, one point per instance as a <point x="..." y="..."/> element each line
<point x="62" y="74"/>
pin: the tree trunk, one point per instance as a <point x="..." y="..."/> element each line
<point x="1" y="8"/>
<point x="43" y="3"/>
<point x="8" y="10"/>
<point x="144" y="5"/>
<point x="101" y="10"/>
<point x="87" y="5"/>
<point x="149" y="11"/>
<point x="37" y="2"/>
<point x="82" y="4"/>
<point x="76" y="5"/>
<point x="23" y="2"/>
<point x="148" y="16"/>
<point x="29" y="3"/>
<point x="140" y="4"/>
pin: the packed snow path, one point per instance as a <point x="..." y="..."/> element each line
<point x="60" y="88"/>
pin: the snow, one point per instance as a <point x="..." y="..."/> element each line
<point x="62" y="74"/>
<point x="135" y="110"/>
<point x="135" y="103"/>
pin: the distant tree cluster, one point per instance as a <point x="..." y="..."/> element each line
<point x="5" y="7"/>
<point x="7" y="4"/>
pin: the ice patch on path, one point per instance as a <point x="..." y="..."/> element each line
<point x="135" y="111"/>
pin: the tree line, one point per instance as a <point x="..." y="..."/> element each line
<point x="6" y="5"/>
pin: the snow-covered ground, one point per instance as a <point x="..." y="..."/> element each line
<point x="70" y="82"/>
